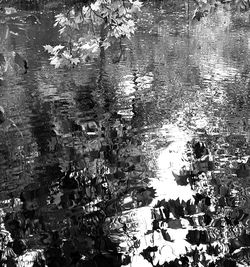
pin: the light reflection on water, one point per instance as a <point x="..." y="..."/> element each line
<point x="173" y="59"/>
<point x="171" y="82"/>
<point x="170" y="160"/>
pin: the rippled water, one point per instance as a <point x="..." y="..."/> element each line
<point x="174" y="79"/>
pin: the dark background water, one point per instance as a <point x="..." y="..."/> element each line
<point x="174" y="78"/>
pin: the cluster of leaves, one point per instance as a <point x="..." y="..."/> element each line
<point x="90" y="28"/>
<point x="208" y="7"/>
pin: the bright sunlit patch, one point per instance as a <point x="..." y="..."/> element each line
<point x="168" y="189"/>
<point x="171" y="160"/>
<point x="177" y="234"/>
<point x="138" y="261"/>
<point x="201" y="121"/>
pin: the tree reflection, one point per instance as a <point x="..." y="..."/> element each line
<point x="135" y="162"/>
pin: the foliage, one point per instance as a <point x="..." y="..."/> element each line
<point x="209" y="7"/>
<point x="92" y="205"/>
<point x="90" y="28"/>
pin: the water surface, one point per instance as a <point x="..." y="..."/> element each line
<point x="111" y="124"/>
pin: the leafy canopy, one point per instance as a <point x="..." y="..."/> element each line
<point x="87" y="29"/>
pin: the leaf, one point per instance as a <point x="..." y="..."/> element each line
<point x="85" y="10"/>
<point x="165" y="235"/>
<point x="56" y="61"/>
<point x="67" y="54"/>
<point x="181" y="179"/>
<point x="95" y="6"/>
<point x="48" y="48"/>
<point x="146" y="253"/>
<point x="75" y="61"/>
<point x="106" y="44"/>
<point x="57" y="48"/>
<point x="176" y="208"/>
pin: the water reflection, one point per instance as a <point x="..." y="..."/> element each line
<point x="105" y="143"/>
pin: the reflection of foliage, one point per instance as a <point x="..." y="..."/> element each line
<point x="215" y="219"/>
<point x="208" y="7"/>
<point x="108" y="180"/>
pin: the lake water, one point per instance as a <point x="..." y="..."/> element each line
<point x="110" y="124"/>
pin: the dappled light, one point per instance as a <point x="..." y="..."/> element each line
<point x="124" y="133"/>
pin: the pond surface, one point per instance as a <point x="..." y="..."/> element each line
<point x="120" y="130"/>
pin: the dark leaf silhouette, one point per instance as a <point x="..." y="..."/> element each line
<point x="176" y="208"/>
<point x="166" y="235"/>
<point x="146" y="253"/>
<point x="181" y="179"/>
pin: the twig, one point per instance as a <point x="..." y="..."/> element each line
<point x="96" y="13"/>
